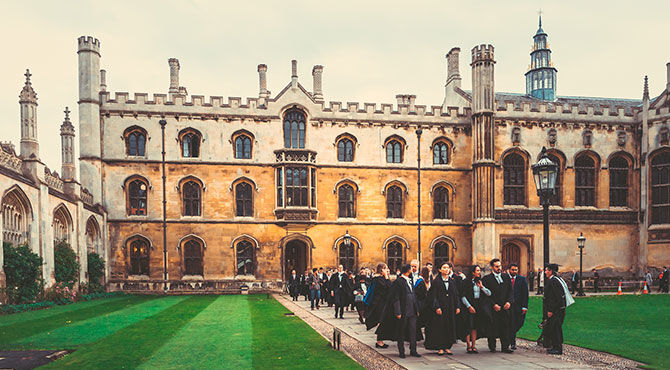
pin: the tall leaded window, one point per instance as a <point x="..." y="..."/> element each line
<point x="441" y="203"/>
<point x="556" y="199"/>
<point x="137" y="197"/>
<point x="190" y="143"/>
<point x="280" y="187"/>
<point x="345" y="150"/>
<point x="618" y="181"/>
<point x="394" y="256"/>
<point x="394" y="202"/>
<point x="191" y="193"/>
<point x="135" y="142"/>
<point x="347" y="256"/>
<point x="394" y="151"/>
<point x="585" y="181"/>
<point x="193" y="257"/>
<point x="16" y="217"/>
<point x="243" y="200"/>
<point x="440" y="153"/>
<point x="294" y="129"/>
<point x="296" y="187"/>
<point x="139" y="257"/>
<point x="245" y="258"/>
<point x="62" y="222"/>
<point x="345" y="195"/>
<point x="243" y="147"/>
<point x="514" y="175"/>
<point x="660" y="188"/>
<point x="441" y="253"/>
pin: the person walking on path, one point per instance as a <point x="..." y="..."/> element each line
<point x="540" y="282"/>
<point x="294" y="285"/>
<point x="574" y="280"/>
<point x="596" y="281"/>
<point x="556" y="299"/>
<point x="648" y="279"/>
<point x="531" y="280"/>
<point x="338" y="286"/>
<point x="304" y="284"/>
<point x="500" y="286"/>
<point x="314" y="288"/>
<point x="477" y="311"/>
<point x="375" y="300"/>
<point x="399" y="323"/>
<point x="664" y="279"/>
<point x="441" y="327"/>
<point x="519" y="303"/>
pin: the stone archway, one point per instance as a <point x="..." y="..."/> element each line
<point x="295" y="257"/>
<point x="517" y="250"/>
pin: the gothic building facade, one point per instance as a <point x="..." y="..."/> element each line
<point x="222" y="192"/>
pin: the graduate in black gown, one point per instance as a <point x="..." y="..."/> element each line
<point x="422" y="287"/>
<point x="294" y="285"/>
<point x="441" y="327"/>
<point x="502" y="297"/>
<point x="476" y="308"/>
<point x="375" y="300"/>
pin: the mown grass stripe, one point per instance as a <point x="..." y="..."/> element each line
<point x="41" y="314"/>
<point x="288" y="342"/>
<point x="91" y="330"/>
<point x="219" y="337"/>
<point x="11" y="334"/>
<point x="135" y="344"/>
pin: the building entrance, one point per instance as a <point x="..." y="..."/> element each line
<point x="295" y="258"/>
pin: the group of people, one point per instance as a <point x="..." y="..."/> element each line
<point x="574" y="281"/>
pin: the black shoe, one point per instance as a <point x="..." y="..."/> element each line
<point x="336" y="316"/>
<point x="341" y="317"/>
<point x="507" y="350"/>
<point x="381" y="346"/>
<point x="402" y="355"/>
<point x="493" y="350"/>
<point x="512" y="347"/>
<point x="555" y="351"/>
<point x="415" y="354"/>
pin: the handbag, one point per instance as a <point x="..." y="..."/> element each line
<point x="358" y="298"/>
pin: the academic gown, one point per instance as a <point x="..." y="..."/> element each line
<point x="391" y="328"/>
<point x="425" y="303"/>
<point x="294" y="285"/>
<point x="482" y="319"/>
<point x="500" y="294"/>
<point x="375" y="310"/>
<point x="441" y="329"/>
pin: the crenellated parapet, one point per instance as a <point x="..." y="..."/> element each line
<point x="88" y="43"/>
<point x="9" y="159"/>
<point x="482" y="53"/>
<point x="53" y="180"/>
<point x="86" y="196"/>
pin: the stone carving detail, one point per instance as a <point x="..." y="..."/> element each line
<point x="10" y="161"/>
<point x="587" y="138"/>
<point x="295" y="155"/>
<point x="53" y="180"/>
<point x="551" y="137"/>
<point x="621" y="138"/>
<point x="516" y="136"/>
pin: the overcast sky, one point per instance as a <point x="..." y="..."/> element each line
<point x="370" y="51"/>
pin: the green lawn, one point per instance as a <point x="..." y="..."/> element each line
<point x="232" y="332"/>
<point x="631" y="326"/>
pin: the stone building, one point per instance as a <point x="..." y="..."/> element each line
<point x="221" y="191"/>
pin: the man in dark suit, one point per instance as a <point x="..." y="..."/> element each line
<point x="500" y="286"/>
<point x="596" y="280"/>
<point x="554" y="301"/>
<point x="406" y="311"/>
<point x="520" y="303"/>
<point x="294" y="285"/>
<point x="574" y="280"/>
<point x="338" y="290"/>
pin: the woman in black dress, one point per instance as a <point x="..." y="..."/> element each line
<point x="474" y="297"/>
<point x="441" y="328"/>
<point x="422" y="288"/>
<point x="376" y="300"/>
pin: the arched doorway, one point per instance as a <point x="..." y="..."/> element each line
<point x="516" y="251"/>
<point x="295" y="257"/>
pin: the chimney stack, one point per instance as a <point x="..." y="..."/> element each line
<point x="174" y="76"/>
<point x="453" y="75"/>
<point x="103" y="80"/>
<point x="317" y="72"/>
<point x="263" y="92"/>
<point x="294" y="73"/>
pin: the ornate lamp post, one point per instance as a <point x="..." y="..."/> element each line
<point x="419" y="131"/>
<point x="581" y="241"/>
<point x="544" y="173"/>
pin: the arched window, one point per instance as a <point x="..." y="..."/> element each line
<point x="440" y="153"/>
<point x="190" y="143"/>
<point x="243" y="147"/>
<point x="441" y="203"/>
<point x="62" y="224"/>
<point x="394" y="256"/>
<point x="92" y="236"/>
<point x="16" y="217"/>
<point x="660" y="188"/>
<point x="394" y="151"/>
<point x="243" y="200"/>
<point x="193" y="257"/>
<point x="139" y="257"/>
<point x="556" y="199"/>
<point x="245" y="258"/>
<point x="441" y="253"/>
<point x="345" y="195"/>
<point x="191" y="193"/>
<point x="137" y="197"/>
<point x="618" y="181"/>
<point x="136" y="139"/>
<point x="394" y="202"/>
<point x="345" y="150"/>
<point x="296" y="187"/>
<point x="347" y="256"/>
<point x="294" y="129"/>
<point x="585" y="181"/>
<point x="514" y="175"/>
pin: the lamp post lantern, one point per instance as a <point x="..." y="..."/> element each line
<point x="346" y="240"/>
<point x="581" y="241"/>
<point x="544" y="173"/>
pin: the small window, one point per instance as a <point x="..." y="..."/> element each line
<point x="441" y="253"/>
<point x="191" y="198"/>
<point x="243" y="200"/>
<point x="440" y="153"/>
<point x="514" y="176"/>
<point x="190" y="143"/>
<point x="193" y="257"/>
<point x="345" y="150"/>
<point x="136" y="139"/>
<point x="139" y="257"/>
<point x="245" y="258"/>
<point x="394" y="256"/>
<point x="394" y="202"/>
<point x="345" y="194"/>
<point x="137" y="197"/>
<point x="441" y="203"/>
<point x="347" y="256"/>
<point x="394" y="151"/>
<point x="243" y="147"/>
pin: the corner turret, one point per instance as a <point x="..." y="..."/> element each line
<point x="541" y="75"/>
<point x="67" y="147"/>
<point x="28" y="102"/>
